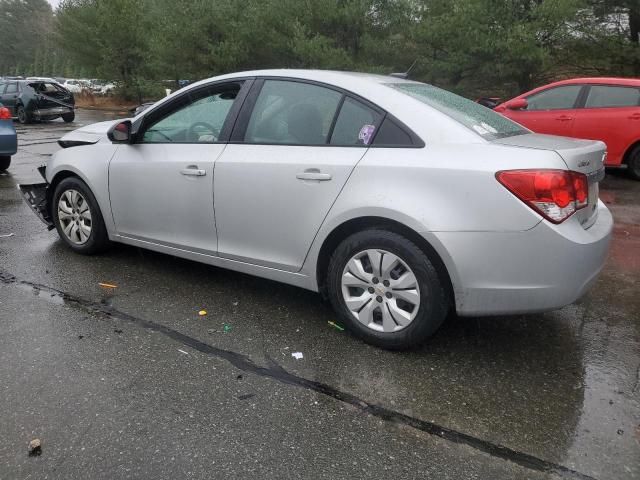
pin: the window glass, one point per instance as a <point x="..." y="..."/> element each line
<point x="12" y="88"/>
<point x="200" y="120"/>
<point x="557" y="98"/>
<point x="355" y="125"/>
<point x="609" y="96"/>
<point x="391" y="134"/>
<point x="292" y="113"/>
<point x="482" y="120"/>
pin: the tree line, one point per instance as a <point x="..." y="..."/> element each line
<point x="474" y="47"/>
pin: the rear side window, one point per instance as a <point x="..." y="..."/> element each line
<point x="601" y="96"/>
<point x="390" y="134"/>
<point x="12" y="88"/>
<point x="292" y="113"/>
<point x="355" y="125"/>
<point x="484" y="121"/>
<point x="558" y="98"/>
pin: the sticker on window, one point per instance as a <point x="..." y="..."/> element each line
<point x="366" y="133"/>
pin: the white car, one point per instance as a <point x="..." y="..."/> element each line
<point x="397" y="200"/>
<point x="74" y="86"/>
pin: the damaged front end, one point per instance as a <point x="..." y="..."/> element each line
<point x="36" y="196"/>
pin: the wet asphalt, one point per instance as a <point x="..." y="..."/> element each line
<point x="130" y="382"/>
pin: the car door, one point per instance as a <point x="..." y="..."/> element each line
<point x="9" y="97"/>
<point x="611" y="113"/>
<point x="161" y="187"/>
<point x="550" y="111"/>
<point x="294" y="146"/>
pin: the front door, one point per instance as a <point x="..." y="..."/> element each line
<point x="276" y="183"/>
<point x="10" y="96"/>
<point x="161" y="187"/>
<point x="550" y="111"/>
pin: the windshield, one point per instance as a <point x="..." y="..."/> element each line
<point x="482" y="120"/>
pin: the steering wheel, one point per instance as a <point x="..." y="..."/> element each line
<point x="199" y="129"/>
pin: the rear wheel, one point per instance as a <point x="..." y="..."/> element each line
<point x="69" y="117"/>
<point x="386" y="290"/>
<point x="23" y="116"/>
<point x="633" y="164"/>
<point x="4" y="163"/>
<point x="77" y="217"/>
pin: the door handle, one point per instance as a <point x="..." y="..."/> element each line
<point x="635" y="116"/>
<point x="314" y="174"/>
<point x="564" y="118"/>
<point x="194" y="171"/>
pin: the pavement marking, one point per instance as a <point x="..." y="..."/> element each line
<point x="276" y="372"/>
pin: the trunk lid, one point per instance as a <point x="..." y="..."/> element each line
<point x="51" y="95"/>
<point x="584" y="156"/>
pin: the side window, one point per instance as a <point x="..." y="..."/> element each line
<point x="12" y="88"/>
<point x="557" y="98"/>
<point x="292" y="113"/>
<point x="355" y="125"/>
<point x="609" y="96"/>
<point x="390" y="134"/>
<point x="197" y="118"/>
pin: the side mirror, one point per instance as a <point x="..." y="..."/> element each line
<point x="517" y="104"/>
<point x="120" y="132"/>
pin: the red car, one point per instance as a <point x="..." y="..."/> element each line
<point x="606" y="109"/>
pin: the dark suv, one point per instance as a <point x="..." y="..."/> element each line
<point x="30" y="100"/>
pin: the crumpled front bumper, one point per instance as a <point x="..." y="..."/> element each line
<point x="36" y="196"/>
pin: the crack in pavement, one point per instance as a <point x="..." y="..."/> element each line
<point x="278" y="373"/>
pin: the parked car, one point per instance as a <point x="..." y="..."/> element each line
<point x="396" y="200"/>
<point x="37" y="100"/>
<point x="8" y="138"/>
<point x="74" y="86"/>
<point x="606" y="109"/>
<point x="489" y="102"/>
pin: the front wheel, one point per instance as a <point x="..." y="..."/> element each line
<point x="4" y="163"/>
<point x="69" y="117"/>
<point x="77" y="217"/>
<point x="633" y="164"/>
<point x="386" y="290"/>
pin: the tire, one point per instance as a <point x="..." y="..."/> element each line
<point x="427" y="315"/>
<point x="96" y="239"/>
<point x="69" y="117"/>
<point x="633" y="164"/>
<point x="23" y="116"/>
<point x="4" y="163"/>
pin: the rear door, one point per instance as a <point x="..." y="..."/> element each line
<point x="550" y="111"/>
<point x="9" y="97"/>
<point x="611" y="113"/>
<point x="294" y="147"/>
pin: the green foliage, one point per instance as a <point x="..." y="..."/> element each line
<point x="475" y="47"/>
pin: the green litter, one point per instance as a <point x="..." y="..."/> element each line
<point x="336" y="326"/>
<point x="226" y="328"/>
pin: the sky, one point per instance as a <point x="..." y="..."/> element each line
<point x="54" y="3"/>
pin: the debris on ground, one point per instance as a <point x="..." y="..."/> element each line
<point x="117" y="330"/>
<point x="246" y="396"/>
<point x="235" y="304"/>
<point x="226" y="328"/>
<point x="35" y="447"/>
<point x="336" y="326"/>
<point x="297" y="355"/>
<point x="202" y="313"/>
<point x="107" y="285"/>
<point x="7" y="235"/>
<point x="182" y="351"/>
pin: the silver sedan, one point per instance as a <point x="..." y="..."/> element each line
<point x="396" y="200"/>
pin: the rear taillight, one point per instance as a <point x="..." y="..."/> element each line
<point x="5" y="114"/>
<point x="554" y="194"/>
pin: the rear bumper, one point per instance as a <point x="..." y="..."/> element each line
<point x="8" y="138"/>
<point x="541" y="269"/>
<point x="35" y="194"/>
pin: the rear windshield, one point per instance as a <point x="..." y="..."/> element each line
<point x="482" y="120"/>
<point x="46" y="87"/>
